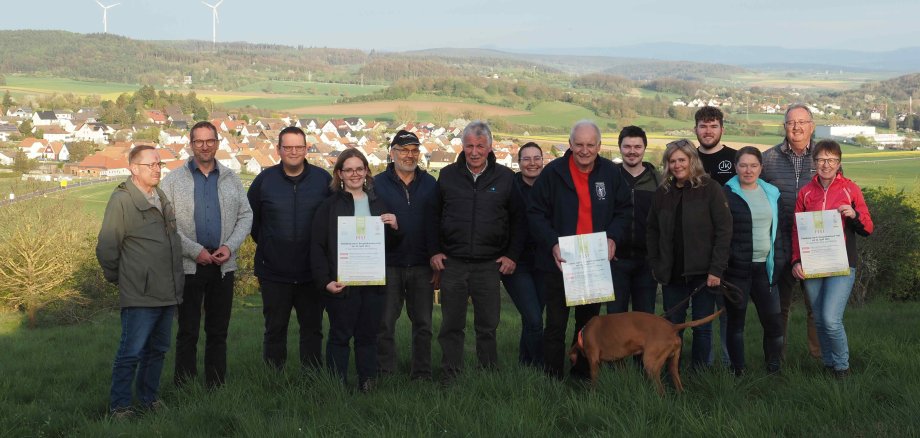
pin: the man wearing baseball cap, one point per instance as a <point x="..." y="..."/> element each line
<point x="410" y="193"/>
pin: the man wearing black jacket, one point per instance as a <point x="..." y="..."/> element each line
<point x="632" y="275"/>
<point x="479" y="240"/>
<point x="284" y="199"/>
<point x="411" y="194"/>
<point x="580" y="193"/>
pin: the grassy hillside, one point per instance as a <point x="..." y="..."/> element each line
<point x="57" y="385"/>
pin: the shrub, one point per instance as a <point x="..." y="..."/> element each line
<point x="44" y="242"/>
<point x="889" y="259"/>
<point x="246" y="281"/>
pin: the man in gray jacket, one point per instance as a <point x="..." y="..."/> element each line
<point x="213" y="217"/>
<point x="789" y="167"/>
<point x="140" y="251"/>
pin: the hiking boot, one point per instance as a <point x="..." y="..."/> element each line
<point x="841" y="374"/>
<point x="121" y="414"/>
<point x="366" y="386"/>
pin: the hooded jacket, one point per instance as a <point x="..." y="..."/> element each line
<point x="841" y="191"/>
<point x="742" y="244"/>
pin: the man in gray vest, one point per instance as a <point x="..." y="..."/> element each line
<point x="789" y="167"/>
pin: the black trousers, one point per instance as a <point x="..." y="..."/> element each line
<point x="211" y="292"/>
<point x="278" y="299"/>
<point x="557" y="320"/>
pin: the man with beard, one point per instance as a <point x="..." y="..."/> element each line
<point x="632" y="275"/>
<point x="717" y="158"/>
<point x="410" y="193"/>
<point x="718" y="161"/>
<point x="213" y="217"/>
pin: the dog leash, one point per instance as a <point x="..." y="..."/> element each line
<point x="731" y="292"/>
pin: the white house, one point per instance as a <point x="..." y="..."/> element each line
<point x="6" y="159"/>
<point x="23" y="112"/>
<point x="92" y="131"/>
<point x="44" y="118"/>
<point x="7" y="130"/>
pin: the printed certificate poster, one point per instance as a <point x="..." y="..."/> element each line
<point x="821" y="244"/>
<point x="586" y="271"/>
<point x="362" y="251"/>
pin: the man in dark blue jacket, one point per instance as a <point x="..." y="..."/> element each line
<point x="580" y="193"/>
<point x="480" y="214"/>
<point x="284" y="198"/>
<point x="411" y="194"/>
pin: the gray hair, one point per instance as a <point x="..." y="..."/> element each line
<point x="477" y="128"/>
<point x="584" y="122"/>
<point x="796" y="106"/>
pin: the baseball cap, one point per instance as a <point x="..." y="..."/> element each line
<point x="404" y="138"/>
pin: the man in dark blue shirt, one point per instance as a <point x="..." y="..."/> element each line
<point x="410" y="193"/>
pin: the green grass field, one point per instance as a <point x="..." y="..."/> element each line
<point x="303" y="87"/>
<point x="901" y="172"/>
<point x="56" y="383"/>
<point x="46" y="85"/>
<point x="93" y="198"/>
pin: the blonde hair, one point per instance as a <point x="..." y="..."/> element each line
<point x="698" y="176"/>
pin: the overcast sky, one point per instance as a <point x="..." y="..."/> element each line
<point x="414" y="24"/>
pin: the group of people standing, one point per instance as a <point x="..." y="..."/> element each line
<point x="715" y="215"/>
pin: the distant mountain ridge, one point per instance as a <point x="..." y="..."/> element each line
<point x="903" y="60"/>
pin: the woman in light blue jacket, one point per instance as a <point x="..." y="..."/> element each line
<point x="756" y="258"/>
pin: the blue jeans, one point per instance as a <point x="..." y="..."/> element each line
<point x="632" y="279"/>
<point x="828" y="297"/>
<point x="703" y="305"/>
<point x="145" y="336"/>
<point x="528" y="292"/>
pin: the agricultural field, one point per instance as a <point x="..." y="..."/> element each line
<point x="31" y="85"/>
<point x="93" y="198"/>
<point x="832" y="81"/>
<point x="390" y="106"/>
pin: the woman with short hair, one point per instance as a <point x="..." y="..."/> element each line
<point x="829" y="190"/>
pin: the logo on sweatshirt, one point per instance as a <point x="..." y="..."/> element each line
<point x="601" y="190"/>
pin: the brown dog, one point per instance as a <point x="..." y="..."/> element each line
<point x="608" y="338"/>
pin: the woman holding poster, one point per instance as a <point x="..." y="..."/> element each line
<point x="354" y="311"/>
<point x="688" y="237"/>
<point x="829" y="190"/>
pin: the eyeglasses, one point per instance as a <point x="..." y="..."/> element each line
<point x="404" y="152"/>
<point x="798" y="122"/>
<point x="831" y="161"/>
<point x="355" y="171"/>
<point x="152" y="166"/>
<point x="211" y="142"/>
<point x="290" y="149"/>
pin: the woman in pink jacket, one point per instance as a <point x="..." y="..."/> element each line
<point x="829" y="190"/>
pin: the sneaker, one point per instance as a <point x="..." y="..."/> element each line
<point x="156" y="405"/>
<point x="841" y="374"/>
<point x="366" y="386"/>
<point x="122" y="414"/>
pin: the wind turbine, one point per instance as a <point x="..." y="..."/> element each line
<point x="105" y="15"/>
<point x="215" y="20"/>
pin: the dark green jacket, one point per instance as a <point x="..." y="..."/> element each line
<point x="706" y="227"/>
<point x="140" y="250"/>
